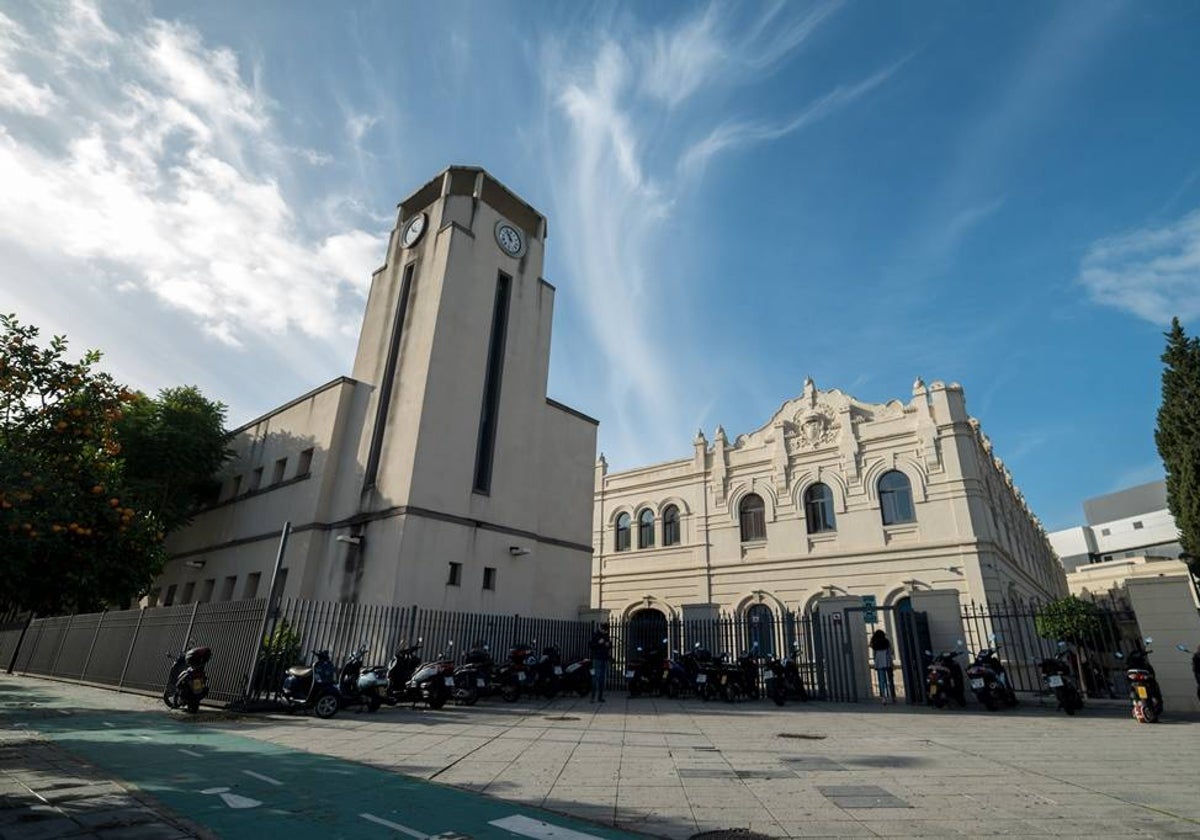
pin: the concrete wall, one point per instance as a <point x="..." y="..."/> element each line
<point x="1166" y="613"/>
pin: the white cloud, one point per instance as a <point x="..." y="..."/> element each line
<point x="17" y="91"/>
<point x="165" y="175"/>
<point x="1153" y="273"/>
<point x="621" y="161"/>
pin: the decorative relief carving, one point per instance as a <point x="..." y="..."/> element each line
<point x="815" y="427"/>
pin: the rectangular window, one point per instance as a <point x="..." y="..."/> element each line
<point x="489" y="577"/>
<point x="305" y="464"/>
<point x="280" y="467"/>
<point x="371" y="472"/>
<point x="227" y="588"/>
<point x="188" y="589"/>
<point x="489" y="414"/>
<point x="206" y="590"/>
<point x="236" y="488"/>
<point x="255" y="480"/>
<point x="281" y="585"/>
<point x="1137" y="526"/>
<point x="455" y="578"/>
<point x="1104" y="532"/>
<point x="170" y="599"/>
<point x="252" y="580"/>
<point x="152" y="598"/>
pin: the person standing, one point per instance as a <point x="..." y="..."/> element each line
<point x="881" y="653"/>
<point x="601" y="650"/>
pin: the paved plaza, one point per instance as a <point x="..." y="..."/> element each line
<point x="677" y="768"/>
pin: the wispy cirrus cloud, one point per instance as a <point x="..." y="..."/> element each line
<point x="1153" y="273"/>
<point x="625" y="115"/>
<point x="149" y="160"/>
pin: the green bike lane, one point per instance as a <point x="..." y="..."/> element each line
<point x="241" y="787"/>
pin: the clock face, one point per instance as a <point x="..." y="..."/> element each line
<point x="412" y="233"/>
<point x="509" y="239"/>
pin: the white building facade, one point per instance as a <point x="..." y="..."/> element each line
<point x="830" y="498"/>
<point x="439" y="473"/>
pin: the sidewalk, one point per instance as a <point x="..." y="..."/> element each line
<point x="677" y="768"/>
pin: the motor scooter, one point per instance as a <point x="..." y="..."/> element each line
<point x="776" y="680"/>
<point x="577" y="677"/>
<point x="944" y="679"/>
<point x="1060" y="679"/>
<point x="312" y="686"/>
<point x="516" y="674"/>
<point x="1145" y="694"/>
<point x="792" y="677"/>
<point x="187" y="683"/>
<point x="648" y="671"/>
<point x="989" y="680"/>
<point x="353" y="690"/>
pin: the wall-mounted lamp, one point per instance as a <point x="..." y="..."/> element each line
<point x="954" y="570"/>
<point x="353" y="539"/>
<point x="194" y="564"/>
<point x="517" y="550"/>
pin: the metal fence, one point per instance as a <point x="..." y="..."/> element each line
<point x="1011" y="627"/>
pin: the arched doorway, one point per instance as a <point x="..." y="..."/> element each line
<point x="760" y="629"/>
<point x="647" y="629"/>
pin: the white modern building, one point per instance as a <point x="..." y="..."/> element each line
<point x="830" y="498"/>
<point x="439" y="473"/>
<point x="1130" y="523"/>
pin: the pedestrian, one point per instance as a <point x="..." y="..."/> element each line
<point x="1196" y="670"/>
<point x="881" y="653"/>
<point x="601" y="649"/>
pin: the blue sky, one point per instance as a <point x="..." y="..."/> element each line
<point x="739" y="195"/>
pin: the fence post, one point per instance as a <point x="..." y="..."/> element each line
<point x="12" y="663"/>
<point x="187" y="637"/>
<point x="262" y="627"/>
<point x="61" y="644"/>
<point x="88" y="659"/>
<point x="132" y="644"/>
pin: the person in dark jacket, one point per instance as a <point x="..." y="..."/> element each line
<point x="601" y="650"/>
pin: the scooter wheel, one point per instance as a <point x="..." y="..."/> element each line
<point x="326" y="706"/>
<point x="171" y="698"/>
<point x="778" y="698"/>
<point x="938" y="701"/>
<point x="373" y="704"/>
<point x="436" y="701"/>
<point x="583" y="690"/>
<point x="193" y="706"/>
<point x="469" y="696"/>
<point x="510" y="692"/>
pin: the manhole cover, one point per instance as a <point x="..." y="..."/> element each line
<point x="861" y="796"/>
<point x="729" y="834"/>
<point x="805" y="736"/>
<point x="562" y="717"/>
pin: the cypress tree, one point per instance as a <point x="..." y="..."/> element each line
<point x="1178" y="436"/>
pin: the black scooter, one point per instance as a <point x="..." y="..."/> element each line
<point x="1145" y="695"/>
<point x="990" y="681"/>
<point x="944" y="679"/>
<point x="187" y="684"/>
<point x="1060" y="679"/>
<point x="577" y="677"/>
<point x="353" y="691"/>
<point x="312" y="687"/>
<point x="792" y="677"/>
<point x="776" y="680"/>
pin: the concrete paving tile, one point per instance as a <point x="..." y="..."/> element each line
<point x="825" y="828"/>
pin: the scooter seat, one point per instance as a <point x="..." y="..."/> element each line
<point x="299" y="671"/>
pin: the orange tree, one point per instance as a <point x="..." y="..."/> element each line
<point x="71" y="537"/>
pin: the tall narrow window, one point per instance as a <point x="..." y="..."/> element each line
<point x="256" y="479"/>
<point x="252" y="580"/>
<point x="280" y="469"/>
<point x="455" y="577"/>
<point x="206" y="590"/>
<point x="622" y="535"/>
<point x="170" y="599"/>
<point x="227" y="588"/>
<point x="305" y="464"/>
<point x="236" y="486"/>
<point x="753" y="518"/>
<point x="489" y="577"/>
<point x="895" y="498"/>
<point x="818" y="509"/>
<point x="671" y="525"/>
<point x="646" y="529"/>
<point x="489" y="414"/>
<point x="188" y="589"/>
<point x="371" y="471"/>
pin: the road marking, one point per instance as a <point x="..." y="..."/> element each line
<point x="401" y="828"/>
<point x="192" y="754"/>
<point x="518" y="824"/>
<point x="64" y="712"/>
<point x="263" y="778"/>
<point x="145" y="737"/>
<point x="232" y="799"/>
<point x="110" y="725"/>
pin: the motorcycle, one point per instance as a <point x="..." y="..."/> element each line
<point x="577" y="677"/>
<point x="989" y="680"/>
<point x="473" y="679"/>
<point x="944" y="679"/>
<point x="647" y="672"/>
<point x="405" y="679"/>
<point x="793" y="681"/>
<point x="776" y="680"/>
<point x="353" y="689"/>
<point x="517" y="674"/>
<point x="312" y="687"/>
<point x="703" y="672"/>
<point x="1144" y="691"/>
<point x="548" y="672"/>
<point x="1060" y="679"/>
<point x="187" y="684"/>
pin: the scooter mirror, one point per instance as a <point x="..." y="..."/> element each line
<point x="420" y="639"/>
<point x="664" y="641"/>
<point x="1118" y="655"/>
<point x="696" y="646"/>
<point x="1181" y="647"/>
<point x="1149" y="640"/>
<point x="639" y="648"/>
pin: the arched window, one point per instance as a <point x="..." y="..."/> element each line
<point x="760" y="622"/>
<point x="646" y="529"/>
<point x="895" y="498"/>
<point x="818" y="509"/>
<point x="623" y="532"/>
<point x="752" y="515"/>
<point x="671" y="525"/>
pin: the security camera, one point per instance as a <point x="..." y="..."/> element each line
<point x="517" y="550"/>
<point x="353" y="539"/>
